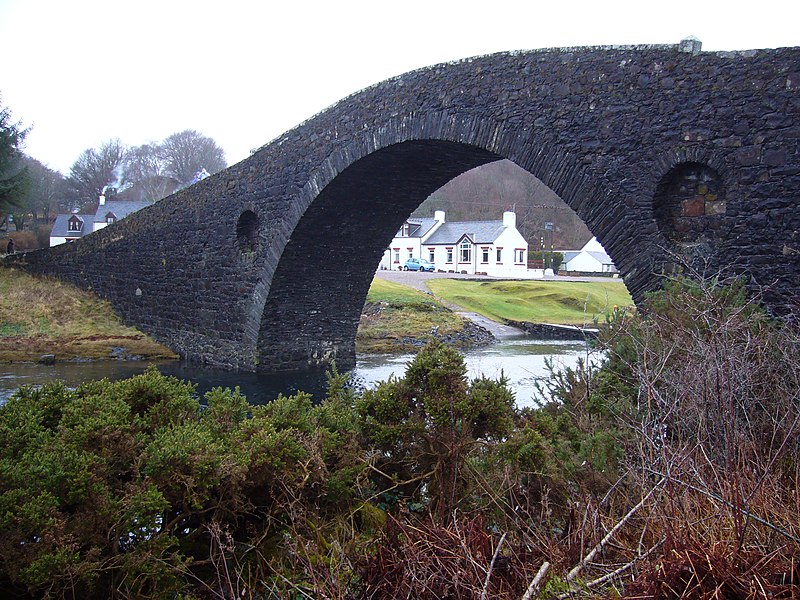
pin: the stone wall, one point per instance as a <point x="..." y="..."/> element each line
<point x="675" y="160"/>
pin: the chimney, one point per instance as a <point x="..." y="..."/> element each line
<point x="438" y="215"/>
<point x="102" y="199"/>
<point x="509" y="219"/>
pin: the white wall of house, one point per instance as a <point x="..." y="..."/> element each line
<point x="401" y="249"/>
<point x="481" y="257"/>
<point x="584" y="262"/>
<point x="591" y="259"/>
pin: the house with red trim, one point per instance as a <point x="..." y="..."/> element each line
<point x="494" y="248"/>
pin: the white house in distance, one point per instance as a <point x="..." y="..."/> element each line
<point x="70" y="227"/>
<point x="491" y="247"/>
<point x="592" y="258"/>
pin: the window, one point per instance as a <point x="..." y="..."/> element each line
<point x="465" y="252"/>
<point x="450" y="255"/>
<point x="397" y="255"/>
<point x="519" y="255"/>
<point x="75" y="224"/>
<point x="431" y="254"/>
<point x="410" y="252"/>
<point x="110" y="218"/>
<point x="499" y="255"/>
<point x="484" y="255"/>
<point x="405" y="230"/>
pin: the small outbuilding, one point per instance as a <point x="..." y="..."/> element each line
<point x="592" y="258"/>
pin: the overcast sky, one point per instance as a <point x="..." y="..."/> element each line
<point x="81" y="72"/>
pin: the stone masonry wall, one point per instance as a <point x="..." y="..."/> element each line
<point x="675" y="160"/>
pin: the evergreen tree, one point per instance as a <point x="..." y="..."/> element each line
<point x="13" y="174"/>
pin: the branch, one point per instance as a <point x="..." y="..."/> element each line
<point x="491" y="566"/>
<point x="601" y="544"/>
<point x="744" y="511"/>
<point x="534" y="586"/>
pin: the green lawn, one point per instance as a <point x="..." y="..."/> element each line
<point x="397" y="315"/>
<point x="558" y="302"/>
<point x="395" y="293"/>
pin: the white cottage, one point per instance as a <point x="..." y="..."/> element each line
<point x="70" y="227"/>
<point x="491" y="247"/>
<point x="592" y="258"/>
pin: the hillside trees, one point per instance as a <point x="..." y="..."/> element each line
<point x="45" y="194"/>
<point x="485" y="192"/>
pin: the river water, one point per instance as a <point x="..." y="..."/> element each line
<point x="520" y="359"/>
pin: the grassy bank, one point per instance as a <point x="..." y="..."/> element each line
<point x="44" y="316"/>
<point x="397" y="317"/>
<point x="559" y="302"/>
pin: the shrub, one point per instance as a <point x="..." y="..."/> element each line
<point x="133" y="489"/>
<point x="426" y="426"/>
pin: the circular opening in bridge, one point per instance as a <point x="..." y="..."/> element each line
<point x="689" y="204"/>
<point x="247" y="232"/>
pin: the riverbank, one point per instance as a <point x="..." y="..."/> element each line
<point x="399" y="319"/>
<point x="45" y="320"/>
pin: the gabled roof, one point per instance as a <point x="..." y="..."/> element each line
<point x="480" y="232"/>
<point x="420" y="226"/>
<point x="61" y="226"/>
<point x="119" y="208"/>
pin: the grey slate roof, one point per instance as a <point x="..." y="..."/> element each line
<point x="61" y="226"/>
<point x="480" y="232"/>
<point x="420" y="226"/>
<point x="119" y="208"/>
<point x="601" y="257"/>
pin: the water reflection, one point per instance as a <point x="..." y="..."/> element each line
<point x="521" y="360"/>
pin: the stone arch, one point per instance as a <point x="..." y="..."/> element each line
<point x="600" y="127"/>
<point x="319" y="286"/>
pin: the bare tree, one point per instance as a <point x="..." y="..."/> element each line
<point x="95" y="170"/>
<point x="146" y="172"/>
<point x="188" y="153"/>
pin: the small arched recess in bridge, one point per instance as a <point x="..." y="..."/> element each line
<point x="321" y="282"/>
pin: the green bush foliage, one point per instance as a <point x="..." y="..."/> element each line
<point x="125" y="486"/>
<point x="681" y="448"/>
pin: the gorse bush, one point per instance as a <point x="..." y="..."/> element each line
<point x="122" y="488"/>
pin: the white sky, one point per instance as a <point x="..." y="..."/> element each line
<point x="243" y="72"/>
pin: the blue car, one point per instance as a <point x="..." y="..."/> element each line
<point x="418" y="264"/>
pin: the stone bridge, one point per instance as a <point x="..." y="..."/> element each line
<point x="674" y="158"/>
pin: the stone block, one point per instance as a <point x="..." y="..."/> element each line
<point x="693" y="207"/>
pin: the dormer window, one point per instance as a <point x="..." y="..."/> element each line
<point x="405" y="230"/>
<point x="111" y="218"/>
<point x="75" y="223"/>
